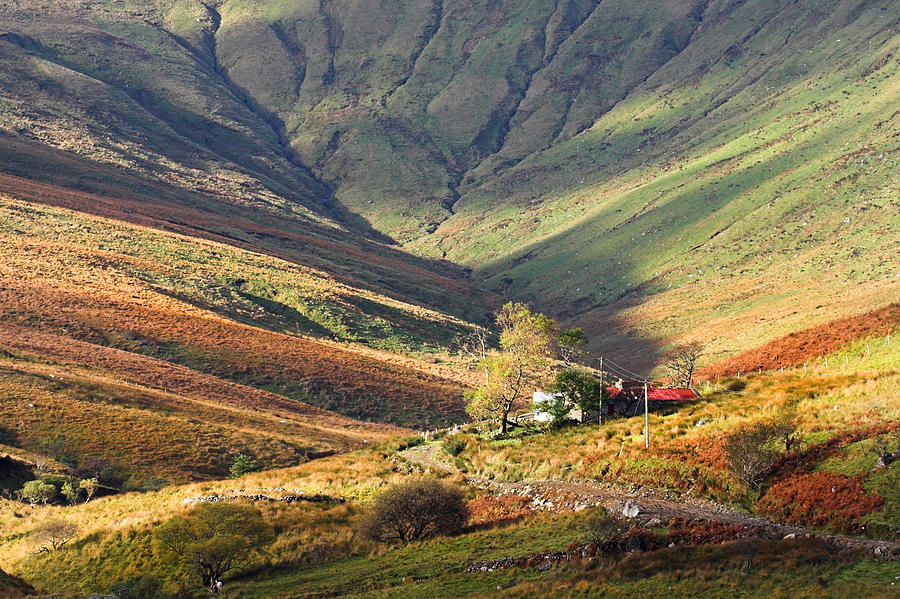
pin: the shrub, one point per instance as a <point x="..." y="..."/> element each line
<point x="138" y="587"/>
<point x="408" y="442"/>
<point x="454" y="445"/>
<point x="214" y="538"/>
<point x="600" y="526"/>
<point x="415" y="509"/>
<point x="749" y="451"/>
<point x="736" y="385"/>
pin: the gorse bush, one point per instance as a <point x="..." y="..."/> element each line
<point x="415" y="509"/>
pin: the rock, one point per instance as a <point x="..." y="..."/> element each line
<point x="701" y="422"/>
<point x="630" y="509"/>
<point x="884" y="460"/>
<point x="793" y="535"/>
<point x="653" y="522"/>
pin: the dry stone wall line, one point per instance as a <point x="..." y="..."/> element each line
<point x="268" y="495"/>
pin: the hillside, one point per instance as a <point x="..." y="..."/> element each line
<point x="533" y="498"/>
<point x="12" y="587"/>
<point x="650" y="172"/>
<point x="241" y="242"/>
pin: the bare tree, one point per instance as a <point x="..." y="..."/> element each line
<point x="681" y="362"/>
<point x="475" y="346"/>
<point x="882" y="449"/>
<point x="416" y="509"/>
<point x="54" y="534"/>
<point x="41" y="466"/>
<point x="752" y="450"/>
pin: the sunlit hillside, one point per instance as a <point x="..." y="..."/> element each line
<point x="200" y="350"/>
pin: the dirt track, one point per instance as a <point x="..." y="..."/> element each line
<point x="563" y="496"/>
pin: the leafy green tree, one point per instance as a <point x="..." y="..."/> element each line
<point x="89" y="486"/>
<point x="69" y="492"/>
<point x="241" y="466"/>
<point x="570" y="345"/>
<point x="526" y="340"/>
<point x="558" y="407"/>
<point x="38" y="491"/>
<point x="581" y="388"/>
<point x="214" y="538"/>
<point x="416" y="509"/>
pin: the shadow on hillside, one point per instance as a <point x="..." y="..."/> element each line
<point x="348" y="256"/>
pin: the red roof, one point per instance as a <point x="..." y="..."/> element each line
<point x="653" y="394"/>
<point x="671" y="394"/>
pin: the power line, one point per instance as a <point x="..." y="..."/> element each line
<point x="620" y="370"/>
<point x="615" y="371"/>
<point x="634" y="374"/>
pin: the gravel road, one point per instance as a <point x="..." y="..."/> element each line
<point x="564" y="496"/>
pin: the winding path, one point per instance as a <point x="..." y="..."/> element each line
<point x="562" y="496"/>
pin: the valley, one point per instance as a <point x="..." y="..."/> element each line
<point x="277" y="266"/>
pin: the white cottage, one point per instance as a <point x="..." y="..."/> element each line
<point x="540" y="398"/>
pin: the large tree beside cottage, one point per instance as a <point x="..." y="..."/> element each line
<point x="526" y="346"/>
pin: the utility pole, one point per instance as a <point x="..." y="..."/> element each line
<point x="646" y="419"/>
<point x="602" y="391"/>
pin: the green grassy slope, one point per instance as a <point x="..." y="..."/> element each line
<point x="746" y="189"/>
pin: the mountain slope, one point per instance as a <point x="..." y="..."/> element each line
<point x="232" y="313"/>
<point x="652" y="172"/>
<point x="103" y="100"/>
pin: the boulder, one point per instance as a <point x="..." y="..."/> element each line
<point x="630" y="509"/>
